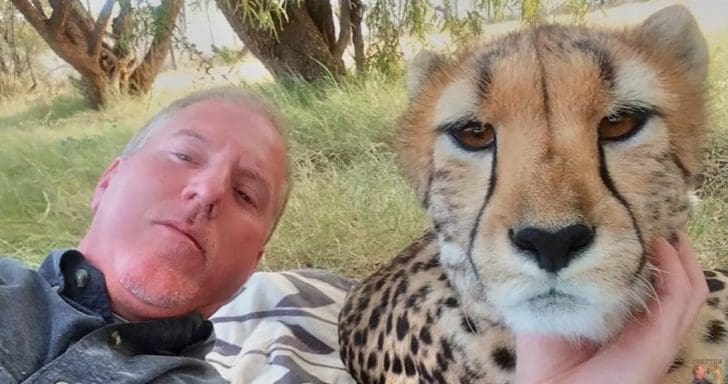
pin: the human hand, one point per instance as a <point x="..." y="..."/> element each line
<point x="646" y="347"/>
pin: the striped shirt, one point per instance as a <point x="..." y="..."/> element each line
<point x="281" y="328"/>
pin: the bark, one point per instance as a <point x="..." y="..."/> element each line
<point x="106" y="63"/>
<point x="173" y="58"/>
<point x="15" y="58"/>
<point x="303" y="44"/>
<point x="14" y="54"/>
<point x="29" y="68"/>
<point x="357" y="37"/>
<point x="96" y="89"/>
<point x="142" y="79"/>
<point x="100" y="27"/>
<point x="344" y="29"/>
<point x="322" y="16"/>
<point x="4" y="69"/>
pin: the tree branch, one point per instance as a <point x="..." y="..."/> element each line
<point x="144" y="74"/>
<point x="60" y="15"/>
<point x="101" y="22"/>
<point x="344" y="29"/>
<point x="82" y="18"/>
<point x="120" y="27"/>
<point x="320" y="13"/>
<point x="33" y="16"/>
<point x="357" y="15"/>
<point x="39" y="7"/>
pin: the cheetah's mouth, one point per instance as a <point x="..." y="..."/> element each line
<point x="553" y="295"/>
<point x="555" y="300"/>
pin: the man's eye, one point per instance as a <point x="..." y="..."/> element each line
<point x="183" y="156"/>
<point x="244" y="196"/>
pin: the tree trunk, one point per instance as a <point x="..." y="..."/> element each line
<point x="357" y="15"/>
<point x="29" y="68"/>
<point x="10" y="38"/>
<point x="3" y="66"/>
<point x="96" y="88"/>
<point x="105" y="66"/>
<point x="305" y="41"/>
<point x="173" y="58"/>
<point x="142" y="78"/>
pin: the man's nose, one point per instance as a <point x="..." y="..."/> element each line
<point x="207" y="191"/>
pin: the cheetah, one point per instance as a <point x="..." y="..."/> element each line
<point x="546" y="160"/>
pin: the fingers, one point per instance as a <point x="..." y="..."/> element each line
<point x="548" y="357"/>
<point x="653" y="339"/>
<point x="673" y="277"/>
<point x="673" y="287"/>
<point x="557" y="347"/>
<point x="698" y="290"/>
<point x="692" y="267"/>
<point x="682" y="284"/>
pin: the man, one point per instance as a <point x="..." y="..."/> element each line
<point x="179" y="223"/>
<point x="699" y="375"/>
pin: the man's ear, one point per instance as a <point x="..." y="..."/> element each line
<point x="103" y="183"/>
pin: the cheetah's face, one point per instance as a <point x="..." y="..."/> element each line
<point x="548" y="161"/>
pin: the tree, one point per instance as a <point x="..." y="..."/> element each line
<point x="389" y="20"/>
<point x="20" y="47"/>
<point x="107" y="61"/>
<point x="296" y="37"/>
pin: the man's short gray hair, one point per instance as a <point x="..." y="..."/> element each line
<point x="230" y="94"/>
<point x="234" y="95"/>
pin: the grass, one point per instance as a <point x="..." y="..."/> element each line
<point x="709" y="228"/>
<point x="350" y="210"/>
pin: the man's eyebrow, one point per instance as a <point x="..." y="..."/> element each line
<point x="251" y="174"/>
<point x="190" y="133"/>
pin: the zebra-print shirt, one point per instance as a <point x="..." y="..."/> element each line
<point x="281" y="329"/>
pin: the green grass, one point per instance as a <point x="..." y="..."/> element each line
<point x="349" y="211"/>
<point x="709" y="228"/>
<point x="349" y="208"/>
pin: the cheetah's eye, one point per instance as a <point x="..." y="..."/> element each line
<point x="473" y="135"/>
<point x="621" y="126"/>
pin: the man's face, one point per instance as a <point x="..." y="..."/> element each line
<point x="699" y="372"/>
<point x="181" y="224"/>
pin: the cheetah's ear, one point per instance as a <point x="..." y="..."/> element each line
<point x="675" y="31"/>
<point x="419" y="68"/>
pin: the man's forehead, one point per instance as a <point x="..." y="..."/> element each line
<point x="220" y="121"/>
<point x="206" y="118"/>
<point x="259" y="134"/>
<point x="188" y="133"/>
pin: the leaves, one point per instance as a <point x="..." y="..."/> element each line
<point x="20" y="50"/>
<point x="266" y="15"/>
<point x="389" y="20"/>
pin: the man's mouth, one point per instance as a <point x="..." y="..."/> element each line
<point x="183" y="232"/>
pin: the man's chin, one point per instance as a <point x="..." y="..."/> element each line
<point x="159" y="294"/>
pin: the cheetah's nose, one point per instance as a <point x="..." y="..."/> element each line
<point x="552" y="250"/>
